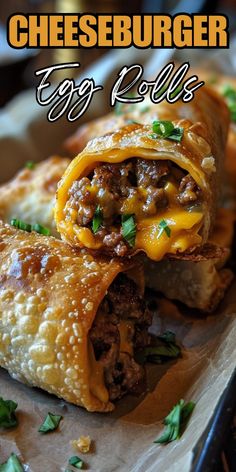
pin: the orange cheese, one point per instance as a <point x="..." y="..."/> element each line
<point x="184" y="224"/>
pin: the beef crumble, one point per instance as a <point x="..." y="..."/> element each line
<point x="122" y="373"/>
<point x="135" y="186"/>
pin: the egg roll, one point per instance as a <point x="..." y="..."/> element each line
<point x="30" y="195"/>
<point x="135" y="190"/>
<point x="226" y="86"/>
<point x="69" y="322"/>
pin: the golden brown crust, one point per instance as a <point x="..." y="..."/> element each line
<point x="217" y="82"/>
<point x="30" y="195"/>
<point x="196" y="283"/>
<point x="49" y="295"/>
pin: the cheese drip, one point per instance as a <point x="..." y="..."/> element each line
<point x="183" y="224"/>
<point x="184" y="227"/>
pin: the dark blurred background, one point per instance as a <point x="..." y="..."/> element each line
<point x="17" y="66"/>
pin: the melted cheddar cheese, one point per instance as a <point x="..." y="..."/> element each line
<point x="185" y="224"/>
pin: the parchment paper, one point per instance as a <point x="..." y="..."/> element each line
<point x="122" y="440"/>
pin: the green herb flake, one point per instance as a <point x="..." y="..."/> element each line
<point x="30" y="165"/>
<point x="7" y="413"/>
<point x="129" y="229"/>
<point x="176" y="422"/>
<point x="164" y="349"/>
<point x="230" y="94"/>
<point x="19" y="224"/>
<point x="40" y="229"/>
<point x="176" y="135"/>
<point x="13" y="464"/>
<point x="50" y="423"/>
<point x="163" y="226"/>
<point x="163" y="128"/>
<point x="166" y="129"/>
<point x="97" y="219"/>
<point x="76" y="462"/>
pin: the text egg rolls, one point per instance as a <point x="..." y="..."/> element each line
<point x="70" y="323"/>
<point x="30" y="195"/>
<point x="166" y="189"/>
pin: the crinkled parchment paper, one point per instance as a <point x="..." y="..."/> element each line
<point x="122" y="440"/>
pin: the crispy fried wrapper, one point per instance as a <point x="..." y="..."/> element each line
<point x="30" y="195"/>
<point x="200" y="153"/>
<point x="49" y="296"/>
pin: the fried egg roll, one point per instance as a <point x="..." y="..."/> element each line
<point x="30" y="195"/>
<point x="137" y="190"/>
<point x="226" y="86"/>
<point x="70" y="323"/>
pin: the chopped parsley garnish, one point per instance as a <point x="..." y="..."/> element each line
<point x="40" y="229"/>
<point x="30" y="165"/>
<point x="21" y="225"/>
<point x="76" y="462"/>
<point x="7" y="413"/>
<point x="129" y="229"/>
<point x="97" y="219"/>
<point x="28" y="227"/>
<point x="230" y="94"/>
<point x="176" y="422"/>
<point x="163" y="227"/>
<point x="13" y="464"/>
<point x="166" y="129"/>
<point x="164" y="349"/>
<point x="163" y="128"/>
<point x="50" y="423"/>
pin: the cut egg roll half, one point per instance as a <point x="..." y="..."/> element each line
<point x="69" y="322"/>
<point x="147" y="187"/>
<point x="206" y="275"/>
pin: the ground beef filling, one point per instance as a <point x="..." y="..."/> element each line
<point x="121" y="304"/>
<point x="135" y="186"/>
